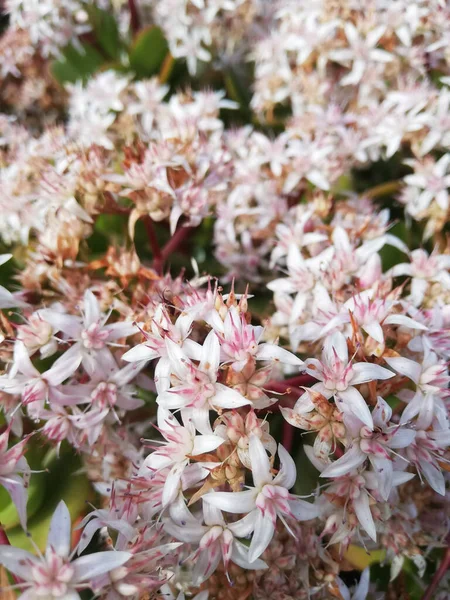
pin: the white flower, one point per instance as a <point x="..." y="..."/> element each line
<point x="361" y="52"/>
<point x="53" y="575"/>
<point x="216" y="541"/>
<point x="267" y="500"/>
<point x="338" y="377"/>
<point x="181" y="444"/>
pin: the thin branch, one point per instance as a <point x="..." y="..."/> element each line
<point x="288" y="436"/>
<point x="438" y="576"/>
<point x="4" y="541"/>
<point x="384" y="189"/>
<point x="156" y="250"/>
<point x="289" y="385"/>
<point x="134" y="16"/>
<point x="175" y="241"/>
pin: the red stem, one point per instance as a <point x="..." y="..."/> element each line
<point x="4" y="541"/>
<point x="445" y="564"/>
<point x="175" y="241"/>
<point x="156" y="250"/>
<point x="292" y="383"/>
<point x="134" y="16"/>
<point x="300" y="380"/>
<point x="288" y="436"/>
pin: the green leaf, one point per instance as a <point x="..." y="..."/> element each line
<point x="105" y="30"/>
<point x="76" y="64"/>
<point x="148" y="52"/>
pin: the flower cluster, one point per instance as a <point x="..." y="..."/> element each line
<point x="224" y="310"/>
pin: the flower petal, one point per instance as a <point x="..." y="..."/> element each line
<point x="17" y="561"/>
<point x="352" y="400"/>
<point x="239" y="555"/>
<point x="206" y="443"/>
<point x="352" y="459"/>
<point x="232" y="502"/>
<point x="260" y="462"/>
<point x="92" y="565"/>
<point x="275" y="353"/>
<point x="364" y="372"/>
<point x="362" y="510"/>
<point x="287" y="474"/>
<point x="228" y="398"/>
<point x="262" y="536"/>
<point x="59" y="532"/>
<point x="406" y="367"/>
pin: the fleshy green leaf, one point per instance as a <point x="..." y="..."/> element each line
<point x="105" y="30"/>
<point x="148" y="52"/>
<point x="76" y="64"/>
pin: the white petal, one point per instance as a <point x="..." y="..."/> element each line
<point x="364" y="514"/>
<point x="335" y="343"/>
<point x="232" y="502"/>
<point x="384" y="470"/>
<point x="206" y="443"/>
<point x="244" y="527"/>
<point x="64" y="367"/>
<point x="172" y="484"/>
<point x="434" y="476"/>
<point x="17" y="561"/>
<point x="404" y="321"/>
<point x="22" y="361"/>
<point x="405" y="367"/>
<point x="15" y="486"/>
<point x="91" y="308"/>
<point x="92" y="565"/>
<point x="259" y="461"/>
<point x="352" y="459"/>
<point x="210" y="359"/>
<point x="69" y="324"/>
<point x="362" y="589"/>
<point x="262" y="536"/>
<point x="343" y="589"/>
<point x="228" y="398"/>
<point x="364" y="372"/>
<point x="239" y="555"/>
<point x="302" y="510"/>
<point x="351" y="400"/>
<point x="60" y="530"/>
<point x="275" y="353"/>
<point x="206" y="563"/>
<point x="140" y="352"/>
<point x="375" y="331"/>
<point x="287" y="474"/>
<point x="190" y="533"/>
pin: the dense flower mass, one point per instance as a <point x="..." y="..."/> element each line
<point x="225" y="307"/>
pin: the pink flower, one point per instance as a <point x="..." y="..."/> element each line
<point x="338" y="377"/>
<point x="90" y="332"/>
<point x="36" y="388"/>
<point x="240" y="343"/>
<point x="424" y="270"/>
<point x="431" y="379"/>
<point x="181" y="444"/>
<point x="54" y="575"/>
<point x="197" y="390"/>
<point x="376" y="445"/>
<point x="216" y="541"/>
<point x="267" y="500"/>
